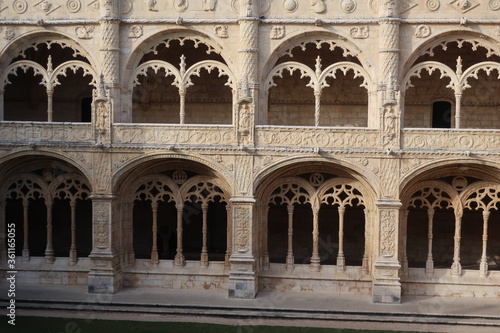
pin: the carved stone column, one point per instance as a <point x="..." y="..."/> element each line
<point x="105" y="273"/>
<point x="429" y="264"/>
<point x="243" y="278"/>
<point x="3" y="235"/>
<point x="2" y="114"/>
<point x="247" y="99"/>
<point x="388" y="73"/>
<point x="110" y="54"/>
<point x="386" y="285"/>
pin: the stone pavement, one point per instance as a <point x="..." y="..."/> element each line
<point x="288" y="308"/>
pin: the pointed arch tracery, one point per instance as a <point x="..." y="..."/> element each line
<point x="294" y="191"/>
<point x="50" y="76"/>
<point x="200" y="189"/>
<point x="317" y="80"/>
<point x="437" y="195"/>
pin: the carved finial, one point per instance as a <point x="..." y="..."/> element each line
<point x="318" y="66"/>
<point x="49" y="64"/>
<point x="183" y="64"/>
<point x="459" y="65"/>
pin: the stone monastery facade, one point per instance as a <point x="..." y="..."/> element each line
<point x="344" y="146"/>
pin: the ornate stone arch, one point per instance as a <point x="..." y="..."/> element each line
<point x="70" y="186"/>
<point x="479" y="169"/>
<point x="300" y="190"/>
<point x="341" y="192"/>
<point x="73" y="66"/>
<point x="318" y="38"/>
<point x="209" y="65"/>
<point x="154" y="188"/>
<point x="430" y="67"/>
<point x="155" y="65"/>
<point x="25" y="186"/>
<point x="484" y="196"/>
<point x="24" y="65"/>
<point x="473" y="71"/>
<point x="78" y="162"/>
<point x="444" y="195"/>
<point x="203" y="189"/>
<point x="224" y="175"/>
<point x="442" y="40"/>
<point x="150" y="44"/>
<point x="25" y="41"/>
<point x="292" y="66"/>
<point x="365" y="177"/>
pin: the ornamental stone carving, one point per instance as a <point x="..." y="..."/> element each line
<point x="406" y="5"/>
<point x="73" y="6"/>
<point x="348" y="6"/>
<point x="361" y="32"/>
<point x="432" y="5"/>
<point x="422" y="31"/>
<point x="497" y="30"/>
<point x="221" y="31"/>
<point x="20" y="6"/>
<point x="388" y="233"/>
<point x="318" y="6"/>
<point x="277" y="32"/>
<point x="84" y="32"/>
<point x="135" y="31"/>
<point x="463" y="5"/>
<point x="101" y="234"/>
<point x="9" y="33"/>
<point x="151" y="4"/>
<point x="209" y="5"/>
<point x="290" y="5"/>
<point x="242" y="229"/>
<point x="181" y="5"/>
<point x="494" y="5"/>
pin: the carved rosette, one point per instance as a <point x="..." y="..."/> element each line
<point x="494" y="5"/>
<point x="432" y="5"/>
<point x="348" y="6"/>
<point x="101" y="225"/>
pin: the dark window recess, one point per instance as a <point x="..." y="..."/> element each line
<point x="441" y="115"/>
<point x="87" y="109"/>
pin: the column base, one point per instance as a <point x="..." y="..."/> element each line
<point x="243" y="280"/>
<point x="386" y="286"/>
<point x="389" y="293"/>
<point x="105" y="274"/>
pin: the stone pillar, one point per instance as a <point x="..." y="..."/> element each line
<point x="390" y="115"/>
<point x="386" y="286"/>
<point x="110" y="54"/>
<point x="3" y="235"/>
<point x="248" y="85"/>
<point x="243" y="278"/>
<point x="2" y="114"/>
<point x="105" y="273"/>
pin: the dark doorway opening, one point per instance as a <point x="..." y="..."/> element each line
<point x="441" y="114"/>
